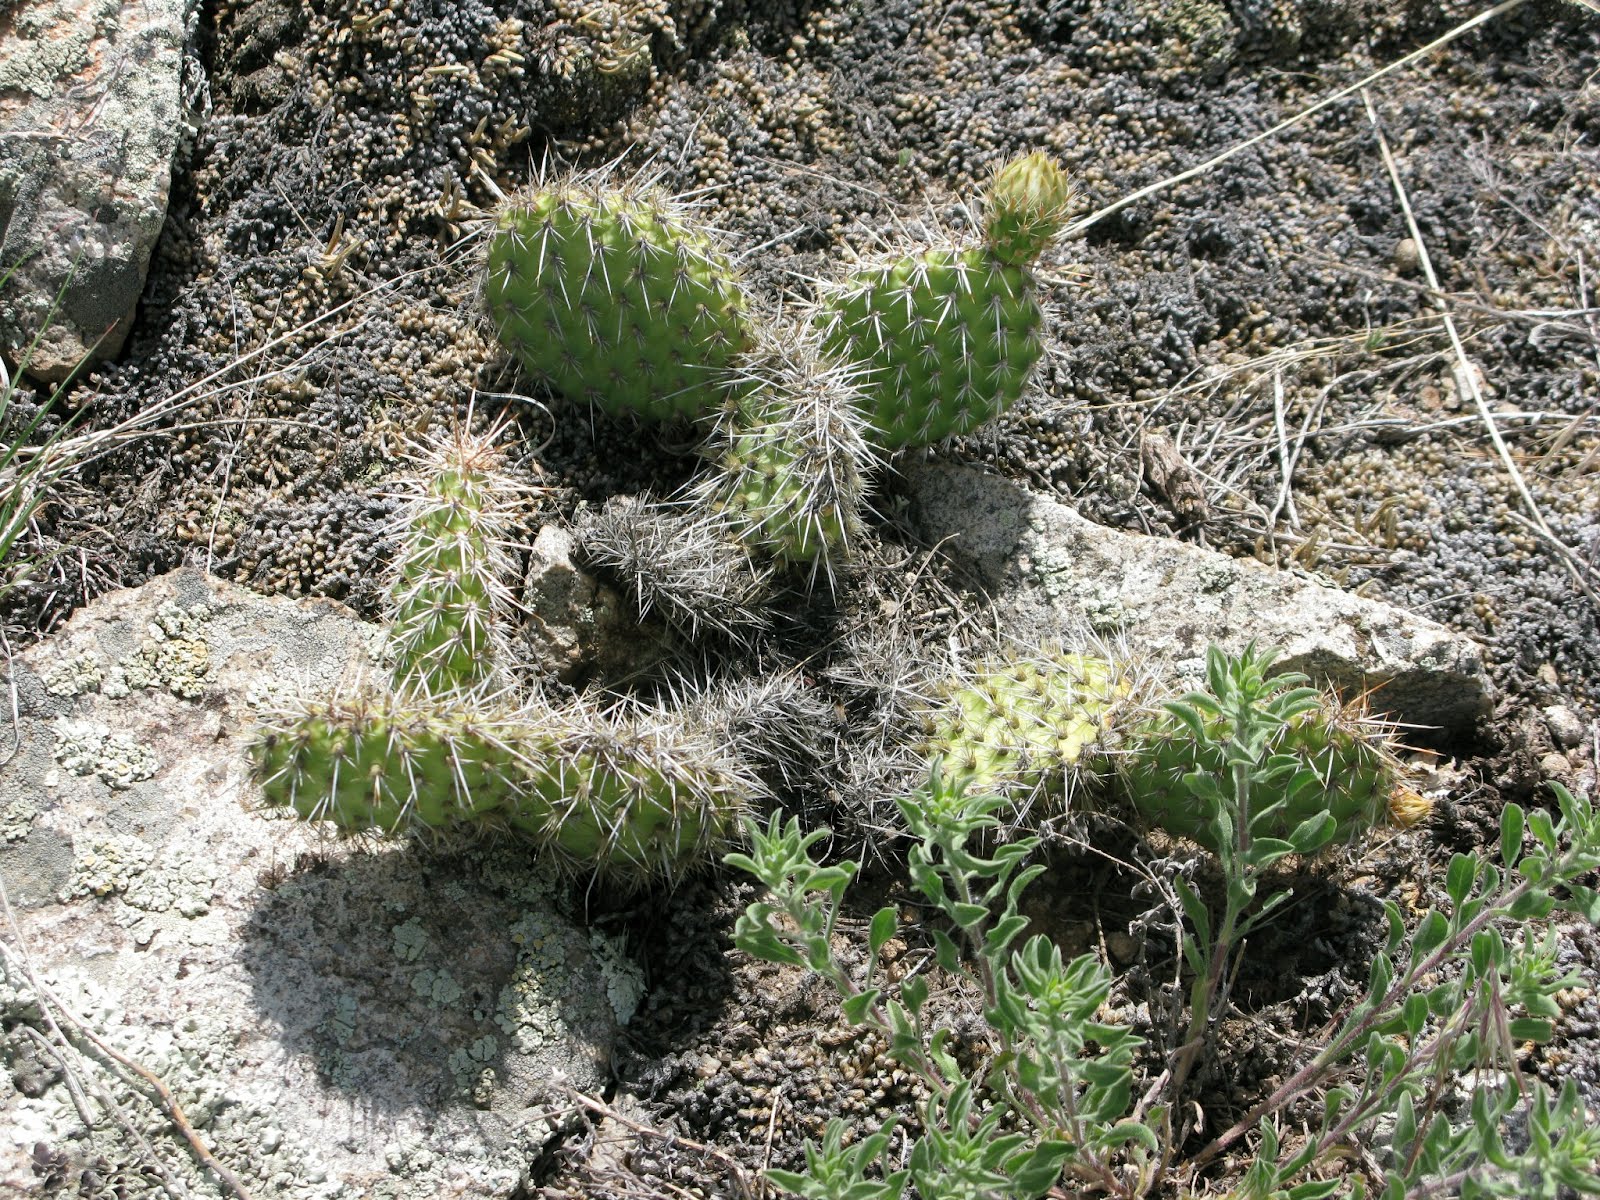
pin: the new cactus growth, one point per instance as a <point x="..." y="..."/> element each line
<point x="613" y="296"/>
<point x="790" y="456"/>
<point x="1324" y="756"/>
<point x="950" y="334"/>
<point x="1027" y="725"/>
<point x="448" y="592"/>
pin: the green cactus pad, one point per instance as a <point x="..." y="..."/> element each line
<point x="947" y="339"/>
<point x="375" y="760"/>
<point x="449" y="583"/>
<point x="790" y="457"/>
<point x="1355" y="769"/>
<point x="612" y="297"/>
<point x="637" y="800"/>
<point x="1027" y="725"/>
<point x="633" y="800"/>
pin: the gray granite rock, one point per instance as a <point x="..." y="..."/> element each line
<point x="1050" y="572"/>
<point x="92" y="112"/>
<point x="335" y="1019"/>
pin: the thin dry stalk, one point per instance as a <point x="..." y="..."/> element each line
<point x="1465" y="372"/>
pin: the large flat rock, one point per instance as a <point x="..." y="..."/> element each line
<point x="334" y="1019"/>
<point x="1051" y="572"/>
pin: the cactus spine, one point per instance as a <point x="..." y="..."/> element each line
<point x="950" y="334"/>
<point x="614" y="297"/>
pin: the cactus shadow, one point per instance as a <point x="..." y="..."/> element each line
<point x="411" y="981"/>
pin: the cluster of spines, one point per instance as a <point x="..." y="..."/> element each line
<point x="612" y="296"/>
<point x="950" y="334"/>
<point x="681" y="563"/>
<point x="790" y="458"/>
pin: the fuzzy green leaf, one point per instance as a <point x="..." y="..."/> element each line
<point x="1511" y="824"/>
<point x="885" y="923"/>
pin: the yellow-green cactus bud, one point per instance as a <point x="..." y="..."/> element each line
<point x="1029" y="200"/>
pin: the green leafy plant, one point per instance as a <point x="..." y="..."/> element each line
<point x="1051" y="1105"/>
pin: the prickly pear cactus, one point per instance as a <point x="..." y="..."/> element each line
<point x="1354" y="773"/>
<point x="1028" y="724"/>
<point x="448" y="593"/>
<point x="612" y="296"/>
<point x="637" y="799"/>
<point x="950" y="334"/>
<point x="629" y="799"/>
<point x="790" y="458"/>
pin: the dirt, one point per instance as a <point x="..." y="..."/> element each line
<point x="316" y="280"/>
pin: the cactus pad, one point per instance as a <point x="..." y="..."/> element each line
<point x="449" y="587"/>
<point x="613" y="297"/>
<point x="948" y="338"/>
<point x="1027" y="725"/>
<point x="627" y="798"/>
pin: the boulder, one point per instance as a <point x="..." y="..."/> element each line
<point x="92" y="113"/>
<point x="1053" y="573"/>
<point x="333" y="1018"/>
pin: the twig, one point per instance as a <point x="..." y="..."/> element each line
<point x="1467" y="375"/>
<point x="766" y="1153"/>
<point x="1286" y="462"/>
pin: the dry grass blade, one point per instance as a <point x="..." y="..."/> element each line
<point x="1290" y="122"/>
<point x="1466" y="373"/>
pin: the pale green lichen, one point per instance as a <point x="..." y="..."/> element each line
<point x="525" y="1010"/>
<point x="410" y="941"/>
<point x="625" y="985"/>
<point x="437" y="987"/>
<point x="75" y="676"/>
<point x="106" y="865"/>
<point x="90" y="748"/>
<point x="175" y="655"/>
<point x="18" y="811"/>
<point x="182" y="882"/>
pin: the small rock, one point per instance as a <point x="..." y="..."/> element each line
<point x="1566" y="727"/>
<point x="1407" y="256"/>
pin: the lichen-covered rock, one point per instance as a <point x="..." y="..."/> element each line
<point x="92" y="100"/>
<point x="333" y="1021"/>
<point x="1053" y="571"/>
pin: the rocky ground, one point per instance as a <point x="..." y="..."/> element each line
<point x="1250" y="361"/>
